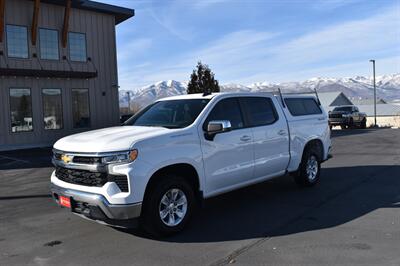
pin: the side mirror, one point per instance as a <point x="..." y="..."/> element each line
<point x="216" y="127"/>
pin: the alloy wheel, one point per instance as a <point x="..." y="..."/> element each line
<point x="173" y="207"/>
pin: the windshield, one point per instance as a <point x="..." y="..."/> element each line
<point x="169" y="114"/>
<point x="344" y="109"/>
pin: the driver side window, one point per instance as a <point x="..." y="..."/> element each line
<point x="227" y="109"/>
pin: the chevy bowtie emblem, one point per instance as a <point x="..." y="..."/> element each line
<point x="66" y="158"/>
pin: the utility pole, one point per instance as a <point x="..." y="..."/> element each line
<point x="129" y="101"/>
<point x="373" y="69"/>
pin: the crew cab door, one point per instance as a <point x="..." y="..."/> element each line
<point x="270" y="133"/>
<point x="228" y="158"/>
<point x="356" y="114"/>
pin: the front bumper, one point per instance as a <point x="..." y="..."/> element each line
<point x="96" y="207"/>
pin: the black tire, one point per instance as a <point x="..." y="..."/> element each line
<point x="351" y="123"/>
<point x="363" y="124"/>
<point x="302" y="177"/>
<point x="151" y="220"/>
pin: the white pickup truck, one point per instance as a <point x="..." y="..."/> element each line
<point x="160" y="163"/>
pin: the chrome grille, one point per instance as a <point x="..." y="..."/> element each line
<point x="335" y="115"/>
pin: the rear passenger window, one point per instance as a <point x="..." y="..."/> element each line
<point x="227" y="109"/>
<point x="302" y="106"/>
<point x="260" y="111"/>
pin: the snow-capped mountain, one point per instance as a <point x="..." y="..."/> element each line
<point x="149" y="94"/>
<point x="388" y="88"/>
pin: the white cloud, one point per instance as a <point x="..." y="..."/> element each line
<point x="169" y="18"/>
<point x="367" y="37"/>
<point x="384" y="65"/>
<point x="332" y="4"/>
<point x="200" y="4"/>
<point x="228" y="50"/>
<point x="133" y="47"/>
<point x="248" y="56"/>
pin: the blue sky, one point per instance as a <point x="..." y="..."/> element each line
<point x="246" y="41"/>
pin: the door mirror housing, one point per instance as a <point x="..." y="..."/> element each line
<point x="217" y="126"/>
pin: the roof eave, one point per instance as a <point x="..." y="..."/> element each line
<point x="120" y="13"/>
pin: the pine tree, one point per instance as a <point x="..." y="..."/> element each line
<point x="202" y="80"/>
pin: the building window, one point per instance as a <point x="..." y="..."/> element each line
<point x="80" y="108"/>
<point x="48" y="44"/>
<point x="77" y="46"/>
<point x="52" y="109"/>
<point x="17" y="41"/>
<point x="21" y="110"/>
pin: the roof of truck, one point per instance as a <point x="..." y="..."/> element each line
<point x="189" y="96"/>
<point x="217" y="94"/>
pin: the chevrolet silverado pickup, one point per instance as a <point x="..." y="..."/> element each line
<point x="155" y="168"/>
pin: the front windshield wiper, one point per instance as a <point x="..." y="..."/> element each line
<point x="150" y="126"/>
<point x="147" y="125"/>
<point x="164" y="126"/>
<point x="172" y="127"/>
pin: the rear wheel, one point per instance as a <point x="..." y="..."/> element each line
<point x="309" y="171"/>
<point x="168" y="206"/>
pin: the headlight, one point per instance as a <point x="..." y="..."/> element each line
<point x="120" y="157"/>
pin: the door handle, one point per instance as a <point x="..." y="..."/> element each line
<point x="282" y="132"/>
<point x="245" y="138"/>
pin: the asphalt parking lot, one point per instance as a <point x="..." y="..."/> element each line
<point x="351" y="217"/>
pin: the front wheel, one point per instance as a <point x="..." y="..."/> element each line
<point x="351" y="123"/>
<point x="364" y="123"/>
<point x="168" y="206"/>
<point x="309" y="171"/>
